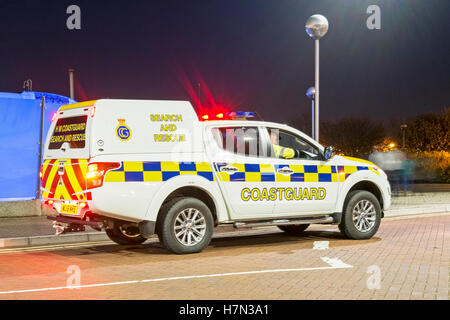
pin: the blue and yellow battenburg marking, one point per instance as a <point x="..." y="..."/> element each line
<point x="346" y="171"/>
<point x="274" y="173"/>
<point x="157" y="171"/>
<point x="123" y="132"/>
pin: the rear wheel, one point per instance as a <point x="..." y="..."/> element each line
<point x="185" y="225"/>
<point x="361" y="216"/>
<point x="125" y="234"/>
<point x="294" y="229"/>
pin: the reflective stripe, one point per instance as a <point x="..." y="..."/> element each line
<point x="157" y="171"/>
<point x="283" y="152"/>
<point x="302" y="173"/>
<point x="71" y="185"/>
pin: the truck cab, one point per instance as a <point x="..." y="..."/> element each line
<point x="136" y="168"/>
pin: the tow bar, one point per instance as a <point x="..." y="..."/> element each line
<point x="64" y="225"/>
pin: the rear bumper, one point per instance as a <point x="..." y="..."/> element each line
<point x="55" y="206"/>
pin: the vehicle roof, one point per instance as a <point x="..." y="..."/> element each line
<point x="248" y="123"/>
<point x="77" y="105"/>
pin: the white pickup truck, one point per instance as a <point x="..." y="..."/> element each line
<point x="141" y="167"/>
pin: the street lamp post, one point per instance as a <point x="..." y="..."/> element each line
<point x="311" y="93"/>
<point x="316" y="27"/>
<point x="403" y="128"/>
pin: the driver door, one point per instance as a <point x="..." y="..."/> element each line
<point x="306" y="183"/>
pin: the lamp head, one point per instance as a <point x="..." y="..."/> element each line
<point x="311" y="93"/>
<point x="316" y="26"/>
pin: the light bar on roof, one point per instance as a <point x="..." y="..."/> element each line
<point x="234" y="115"/>
<point x="241" y="114"/>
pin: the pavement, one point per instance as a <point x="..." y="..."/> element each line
<point x="408" y="258"/>
<point x="38" y="230"/>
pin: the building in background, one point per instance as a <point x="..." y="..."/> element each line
<point x="20" y="119"/>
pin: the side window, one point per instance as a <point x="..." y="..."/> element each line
<point x="71" y="130"/>
<point x="239" y="140"/>
<point x="286" y="145"/>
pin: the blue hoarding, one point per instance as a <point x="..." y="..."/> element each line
<point x="20" y="121"/>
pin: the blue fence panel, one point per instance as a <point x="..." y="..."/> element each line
<point x="19" y="138"/>
<point x="20" y="121"/>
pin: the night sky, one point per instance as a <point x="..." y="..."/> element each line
<point x="246" y="54"/>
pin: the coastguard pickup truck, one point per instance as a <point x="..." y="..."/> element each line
<point x="136" y="168"/>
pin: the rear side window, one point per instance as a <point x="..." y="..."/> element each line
<point x="71" y="130"/>
<point x="240" y="140"/>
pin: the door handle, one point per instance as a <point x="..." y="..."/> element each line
<point x="229" y="169"/>
<point x="285" y="171"/>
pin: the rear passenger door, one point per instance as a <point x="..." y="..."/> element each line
<point x="242" y="170"/>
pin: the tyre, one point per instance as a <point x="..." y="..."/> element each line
<point x="294" y="229"/>
<point x="185" y="225"/>
<point x="125" y="235"/>
<point x="361" y="215"/>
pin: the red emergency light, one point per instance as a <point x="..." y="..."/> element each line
<point x="235" y="115"/>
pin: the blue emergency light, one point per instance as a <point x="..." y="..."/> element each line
<point x="241" y="114"/>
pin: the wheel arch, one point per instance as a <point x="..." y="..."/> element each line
<point x="363" y="185"/>
<point x="193" y="186"/>
<point x="194" y="192"/>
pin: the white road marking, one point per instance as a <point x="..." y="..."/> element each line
<point x="321" y="245"/>
<point x="334" y="263"/>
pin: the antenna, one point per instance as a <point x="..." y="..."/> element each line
<point x="72" y="89"/>
<point x="28" y="85"/>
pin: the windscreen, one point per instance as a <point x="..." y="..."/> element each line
<point x="71" y="130"/>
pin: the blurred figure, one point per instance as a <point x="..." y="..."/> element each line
<point x="396" y="158"/>
<point x="392" y="163"/>
<point x="408" y="170"/>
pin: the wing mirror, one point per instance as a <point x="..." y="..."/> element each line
<point x="328" y="153"/>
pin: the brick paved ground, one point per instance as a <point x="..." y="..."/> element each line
<point x="413" y="255"/>
<point x="420" y="198"/>
<point x="36" y="226"/>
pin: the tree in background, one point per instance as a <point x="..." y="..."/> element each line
<point x="429" y="132"/>
<point x="354" y="136"/>
<point x="428" y="143"/>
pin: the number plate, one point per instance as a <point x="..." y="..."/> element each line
<point x="69" y="209"/>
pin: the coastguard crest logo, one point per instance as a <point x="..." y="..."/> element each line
<point x="123" y="132"/>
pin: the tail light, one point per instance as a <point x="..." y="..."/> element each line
<point x="96" y="173"/>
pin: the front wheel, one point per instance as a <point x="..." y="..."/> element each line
<point x="185" y="225"/>
<point x="361" y="215"/>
